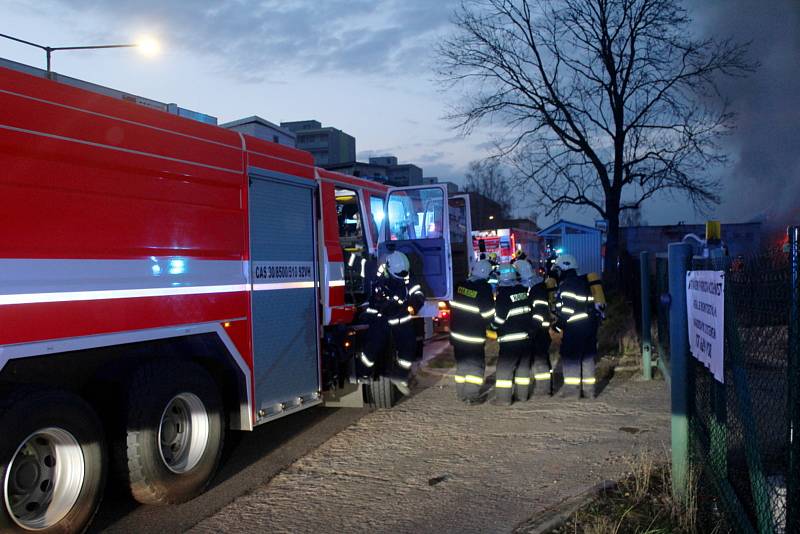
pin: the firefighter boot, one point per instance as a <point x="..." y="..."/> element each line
<point x="522" y="379"/>
<point x="459" y="378"/>
<point x="507" y="361"/>
<point x="589" y="380"/>
<point x="503" y="386"/>
<point x="402" y="383"/>
<point x="572" y="377"/>
<point x="542" y="376"/>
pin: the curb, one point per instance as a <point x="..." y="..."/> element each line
<point x="557" y="515"/>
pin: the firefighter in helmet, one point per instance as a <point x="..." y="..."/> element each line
<point x="492" y="258"/>
<point x="512" y="322"/>
<point x="393" y="302"/>
<point x="580" y="306"/>
<point x="542" y="294"/>
<point x="472" y="310"/>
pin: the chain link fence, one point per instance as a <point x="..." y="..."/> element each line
<point x="740" y="429"/>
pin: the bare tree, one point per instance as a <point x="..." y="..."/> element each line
<point x="606" y="102"/>
<point x="487" y="178"/>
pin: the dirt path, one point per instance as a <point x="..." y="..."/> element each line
<point x="433" y="464"/>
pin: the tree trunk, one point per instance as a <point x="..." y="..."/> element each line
<point x="610" y="265"/>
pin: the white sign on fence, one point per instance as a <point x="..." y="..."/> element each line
<point x="705" y="304"/>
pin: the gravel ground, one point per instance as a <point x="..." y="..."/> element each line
<point x="433" y="464"/>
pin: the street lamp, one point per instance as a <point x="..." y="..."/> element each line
<point x="147" y="45"/>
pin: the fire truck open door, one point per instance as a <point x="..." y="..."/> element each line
<point x="284" y="298"/>
<point x="418" y="223"/>
<point x="460" y="237"/>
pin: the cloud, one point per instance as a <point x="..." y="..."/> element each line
<point x="253" y="38"/>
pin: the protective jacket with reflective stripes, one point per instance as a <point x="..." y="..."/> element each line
<point x="513" y="308"/>
<point x="472" y="309"/>
<point x="391" y="297"/>
<point x="575" y="300"/>
<point x="541" y="296"/>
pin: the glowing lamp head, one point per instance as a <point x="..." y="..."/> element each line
<point x="148" y="46"/>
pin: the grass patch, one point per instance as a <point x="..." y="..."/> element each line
<point x="642" y="503"/>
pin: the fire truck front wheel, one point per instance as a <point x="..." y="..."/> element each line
<point x="175" y="429"/>
<point x="381" y="393"/>
<point x="52" y="462"/>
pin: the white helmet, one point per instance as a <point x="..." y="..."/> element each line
<point x="506" y="273"/>
<point x="525" y="269"/>
<point x="565" y="262"/>
<point x="481" y="270"/>
<point x="397" y="264"/>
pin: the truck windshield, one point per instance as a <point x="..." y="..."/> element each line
<point x="415" y="214"/>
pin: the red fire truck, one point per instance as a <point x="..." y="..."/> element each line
<point x="163" y="281"/>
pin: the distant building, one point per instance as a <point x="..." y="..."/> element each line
<point x="631" y="216"/>
<point x="263" y="129"/>
<point x="360" y="169"/>
<point x="486" y="213"/>
<point x="740" y="238"/>
<point x="328" y="145"/>
<point x="399" y="175"/>
<point x="404" y="175"/>
<point x="384" y="169"/>
<point x="582" y="242"/>
<point x="452" y="188"/>
<point x="385" y="161"/>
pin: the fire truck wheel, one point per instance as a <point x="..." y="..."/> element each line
<point x="52" y="462"/>
<point x="381" y="393"/>
<point x="175" y="428"/>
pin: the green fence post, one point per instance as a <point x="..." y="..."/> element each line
<point x="718" y="423"/>
<point x="680" y="257"/>
<point x="647" y="342"/>
<point x="793" y="395"/>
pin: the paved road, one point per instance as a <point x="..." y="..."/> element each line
<point x="250" y="460"/>
<point x="433" y="464"/>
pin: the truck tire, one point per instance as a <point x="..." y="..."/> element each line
<point x="381" y="393"/>
<point x="52" y="461"/>
<point x="174" y="432"/>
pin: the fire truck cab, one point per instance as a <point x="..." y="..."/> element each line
<point x="163" y="281"/>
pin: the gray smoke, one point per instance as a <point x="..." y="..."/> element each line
<point x="763" y="180"/>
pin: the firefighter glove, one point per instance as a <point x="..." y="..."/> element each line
<point x="601" y="310"/>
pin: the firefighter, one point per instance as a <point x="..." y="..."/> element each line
<point x="472" y="312"/>
<point x="512" y="323"/>
<point x="493" y="276"/>
<point x="542" y="296"/>
<point x="580" y="305"/>
<point x="522" y="374"/>
<point x="393" y="302"/>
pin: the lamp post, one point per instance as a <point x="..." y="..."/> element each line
<point x="148" y="46"/>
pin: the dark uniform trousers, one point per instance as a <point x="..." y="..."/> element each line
<point x="542" y="371"/>
<point x="513" y="324"/>
<point x="542" y="296"/>
<point x="470" y="366"/>
<point x="579" y="354"/>
<point x="579" y="323"/>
